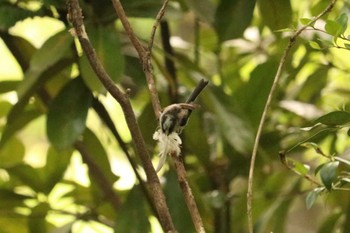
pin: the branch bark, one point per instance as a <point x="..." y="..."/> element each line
<point x="75" y="15"/>
<point x="267" y="107"/>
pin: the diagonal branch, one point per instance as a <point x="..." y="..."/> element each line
<point x="158" y="198"/>
<point x="267" y="108"/>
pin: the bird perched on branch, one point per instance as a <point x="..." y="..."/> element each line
<point x="172" y="121"/>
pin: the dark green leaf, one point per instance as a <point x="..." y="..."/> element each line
<point x="105" y="40"/>
<point x="20" y="48"/>
<point x="37" y="222"/>
<point x="4" y="108"/>
<point x="313" y="86"/>
<point x="7" y="86"/>
<point x="11" y="14"/>
<point x="276" y="14"/>
<point x="67" y="114"/>
<point x="12" y="199"/>
<point x="311" y="197"/>
<point x="28" y="175"/>
<point x="133" y="208"/>
<point x="232" y="17"/>
<point x="335" y="118"/>
<point x="328" y="174"/>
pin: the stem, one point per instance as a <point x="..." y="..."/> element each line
<point x="266" y="110"/>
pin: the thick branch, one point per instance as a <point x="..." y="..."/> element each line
<point x="267" y="108"/>
<point x="76" y="18"/>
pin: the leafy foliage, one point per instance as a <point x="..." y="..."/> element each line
<point x="237" y="45"/>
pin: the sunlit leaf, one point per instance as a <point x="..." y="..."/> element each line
<point x="335" y="118"/>
<point x="229" y="13"/>
<point x="305" y="21"/>
<point x="333" y="28"/>
<point x="67" y="114"/>
<point x="12" y="153"/>
<point x="328" y="174"/>
<point x="314" y="45"/>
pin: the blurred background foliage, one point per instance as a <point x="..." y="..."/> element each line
<point x="50" y="98"/>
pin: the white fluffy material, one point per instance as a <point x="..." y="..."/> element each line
<point x="167" y="144"/>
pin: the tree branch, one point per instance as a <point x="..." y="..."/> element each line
<point x="75" y="15"/>
<point x="144" y="55"/>
<point x="187" y="192"/>
<point x="267" y="108"/>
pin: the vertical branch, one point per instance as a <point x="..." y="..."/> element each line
<point x="267" y="108"/>
<point x="75" y="15"/>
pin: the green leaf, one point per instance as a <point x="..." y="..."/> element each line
<point x="236" y="131"/>
<point x="227" y="16"/>
<point x="11" y="14"/>
<point x="314" y="45"/>
<point x="105" y="40"/>
<point x="17" y="123"/>
<point x="335" y="118"/>
<point x="28" y="175"/>
<point x="312" y="196"/>
<point x="67" y="114"/>
<point x="305" y="21"/>
<point x="36" y="220"/>
<point x="133" y="208"/>
<point x="328" y="174"/>
<point x="333" y="28"/>
<point x="12" y="199"/>
<point x="276" y="14"/>
<point x="20" y="48"/>
<point x="7" y="86"/>
<point x="94" y="146"/>
<point x="56" y="165"/>
<point x="343" y="21"/>
<point x="43" y="66"/>
<point x="12" y="153"/>
<point x="299" y="167"/>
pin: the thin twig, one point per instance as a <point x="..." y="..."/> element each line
<point x="266" y="110"/>
<point x="158" y="198"/>
<point x="186" y="190"/>
<point x="156" y="24"/>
